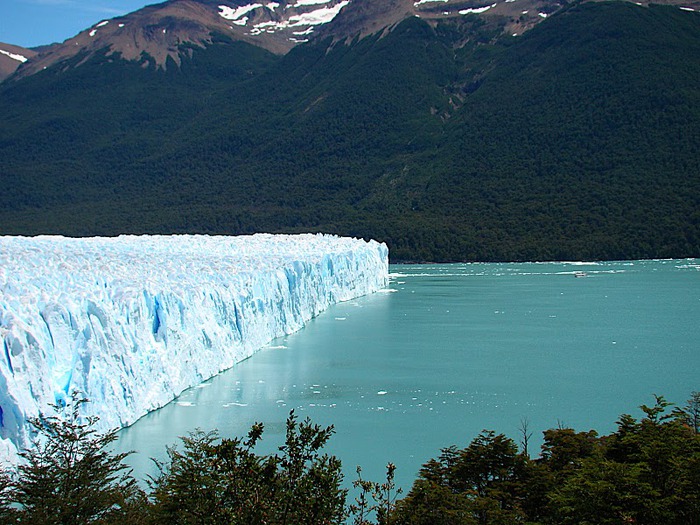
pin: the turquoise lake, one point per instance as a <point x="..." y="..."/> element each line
<point x="448" y="350"/>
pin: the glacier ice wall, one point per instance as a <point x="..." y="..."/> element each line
<point x="130" y="322"/>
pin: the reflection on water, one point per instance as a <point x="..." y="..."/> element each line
<point x="449" y="350"/>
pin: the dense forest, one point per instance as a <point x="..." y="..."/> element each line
<point x="576" y="140"/>
<point x="646" y="472"/>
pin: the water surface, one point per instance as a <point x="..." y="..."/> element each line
<point x="449" y="350"/>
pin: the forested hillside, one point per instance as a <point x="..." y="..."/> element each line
<point x="575" y="140"/>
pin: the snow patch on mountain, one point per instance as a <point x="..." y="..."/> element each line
<point x="477" y="10"/>
<point x="307" y="19"/>
<point x="14" y="56"/>
<point x="131" y="322"/>
<point x="302" y="3"/>
<point x="230" y="13"/>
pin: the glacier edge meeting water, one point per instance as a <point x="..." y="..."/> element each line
<point x="131" y="322"/>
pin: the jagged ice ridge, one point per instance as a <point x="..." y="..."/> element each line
<point x="130" y="322"/>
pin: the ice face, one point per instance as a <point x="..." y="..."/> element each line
<point x="130" y="322"/>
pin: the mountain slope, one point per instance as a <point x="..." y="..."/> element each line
<point x="573" y="141"/>
<point x="591" y="125"/>
<point x="11" y="57"/>
<point x="165" y="32"/>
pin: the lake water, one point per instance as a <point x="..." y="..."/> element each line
<point x="449" y="350"/>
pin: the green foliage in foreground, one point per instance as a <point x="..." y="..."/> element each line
<point x="646" y="472"/>
<point x="70" y="476"/>
<point x="237" y="486"/>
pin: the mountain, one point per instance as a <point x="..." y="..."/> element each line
<point x="449" y="136"/>
<point x="167" y="31"/>
<point x="157" y="32"/>
<point x="11" y="57"/>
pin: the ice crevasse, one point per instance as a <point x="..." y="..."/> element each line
<point x="130" y="322"/>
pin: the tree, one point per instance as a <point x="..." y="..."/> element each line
<point x="488" y="461"/>
<point x="70" y="477"/>
<point x="477" y="484"/>
<point x="430" y="503"/>
<point x="309" y="482"/>
<point x="188" y="488"/>
<point x="383" y="496"/>
<point x="7" y="512"/>
<point x="690" y="413"/>
<point x="563" y="448"/>
<point x="645" y="473"/>
<point x="600" y="492"/>
<point x="525" y="435"/>
<point x="224" y="481"/>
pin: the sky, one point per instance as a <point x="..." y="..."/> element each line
<point x="30" y="23"/>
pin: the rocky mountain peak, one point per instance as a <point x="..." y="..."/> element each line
<point x="158" y="32"/>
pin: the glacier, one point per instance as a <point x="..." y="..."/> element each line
<point x="130" y="322"/>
